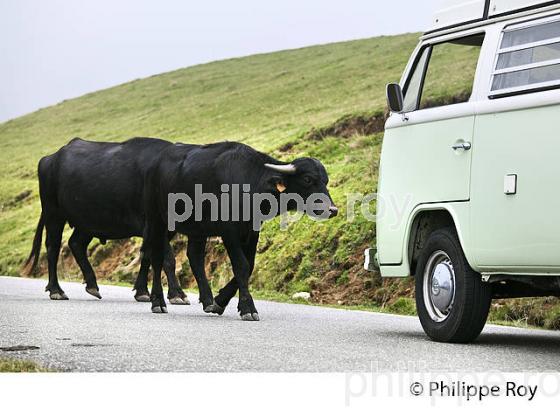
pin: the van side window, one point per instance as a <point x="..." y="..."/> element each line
<point x="459" y="56"/>
<point x="430" y="85"/>
<point x="528" y="59"/>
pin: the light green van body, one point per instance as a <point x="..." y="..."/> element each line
<point x="515" y="142"/>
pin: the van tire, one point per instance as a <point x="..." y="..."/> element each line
<point x="462" y="319"/>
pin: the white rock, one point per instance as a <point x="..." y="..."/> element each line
<point x="301" y="295"/>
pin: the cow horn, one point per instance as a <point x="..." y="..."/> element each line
<point x="283" y="169"/>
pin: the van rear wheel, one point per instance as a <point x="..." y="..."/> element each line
<point x="451" y="299"/>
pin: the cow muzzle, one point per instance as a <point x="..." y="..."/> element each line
<point x="333" y="211"/>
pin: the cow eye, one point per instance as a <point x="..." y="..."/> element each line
<point x="307" y="180"/>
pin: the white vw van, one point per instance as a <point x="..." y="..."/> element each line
<point x="469" y="189"/>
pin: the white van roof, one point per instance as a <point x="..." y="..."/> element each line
<point x="458" y="12"/>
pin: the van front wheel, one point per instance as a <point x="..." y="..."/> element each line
<point x="451" y="299"/>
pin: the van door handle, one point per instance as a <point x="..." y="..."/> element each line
<point x="462" y="145"/>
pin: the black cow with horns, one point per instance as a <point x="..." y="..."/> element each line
<point x="214" y="169"/>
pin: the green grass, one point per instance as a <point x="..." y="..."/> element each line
<point x="8" y="365"/>
<point x="269" y="101"/>
<point x="264" y="100"/>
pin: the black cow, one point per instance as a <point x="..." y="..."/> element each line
<point x="97" y="187"/>
<point x="181" y="168"/>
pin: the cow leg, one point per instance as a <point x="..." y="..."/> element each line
<point x="224" y="296"/>
<point x="175" y="294"/>
<point x="241" y="271"/>
<point x="196" y="249"/>
<point x="141" y="284"/>
<point x="54" y="238"/>
<point x="156" y="240"/>
<point x="228" y="292"/>
<point x="78" y="244"/>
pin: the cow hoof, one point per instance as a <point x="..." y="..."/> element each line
<point x="214" y="308"/>
<point x="94" y="292"/>
<point x="178" y="300"/>
<point x="142" y="297"/>
<point x="250" y="317"/>
<point x="58" y="296"/>
<point x="159" y="309"/>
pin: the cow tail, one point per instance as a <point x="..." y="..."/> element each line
<point x="33" y="258"/>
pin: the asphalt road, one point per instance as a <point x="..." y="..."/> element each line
<point x="119" y="334"/>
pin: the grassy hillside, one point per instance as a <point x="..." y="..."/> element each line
<point x="267" y="101"/>
<point x="264" y="100"/>
<point x="324" y="101"/>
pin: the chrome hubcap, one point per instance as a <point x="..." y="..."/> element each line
<point x="439" y="286"/>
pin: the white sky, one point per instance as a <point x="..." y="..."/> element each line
<point x="51" y="50"/>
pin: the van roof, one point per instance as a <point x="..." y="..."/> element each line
<point x="458" y="13"/>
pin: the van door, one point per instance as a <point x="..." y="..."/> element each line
<point x="426" y="156"/>
<point x="515" y="201"/>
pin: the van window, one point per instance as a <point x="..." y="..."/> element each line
<point x="528" y="59"/>
<point x="412" y="92"/>
<point x="431" y="86"/>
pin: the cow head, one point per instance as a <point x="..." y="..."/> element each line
<point x="304" y="177"/>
